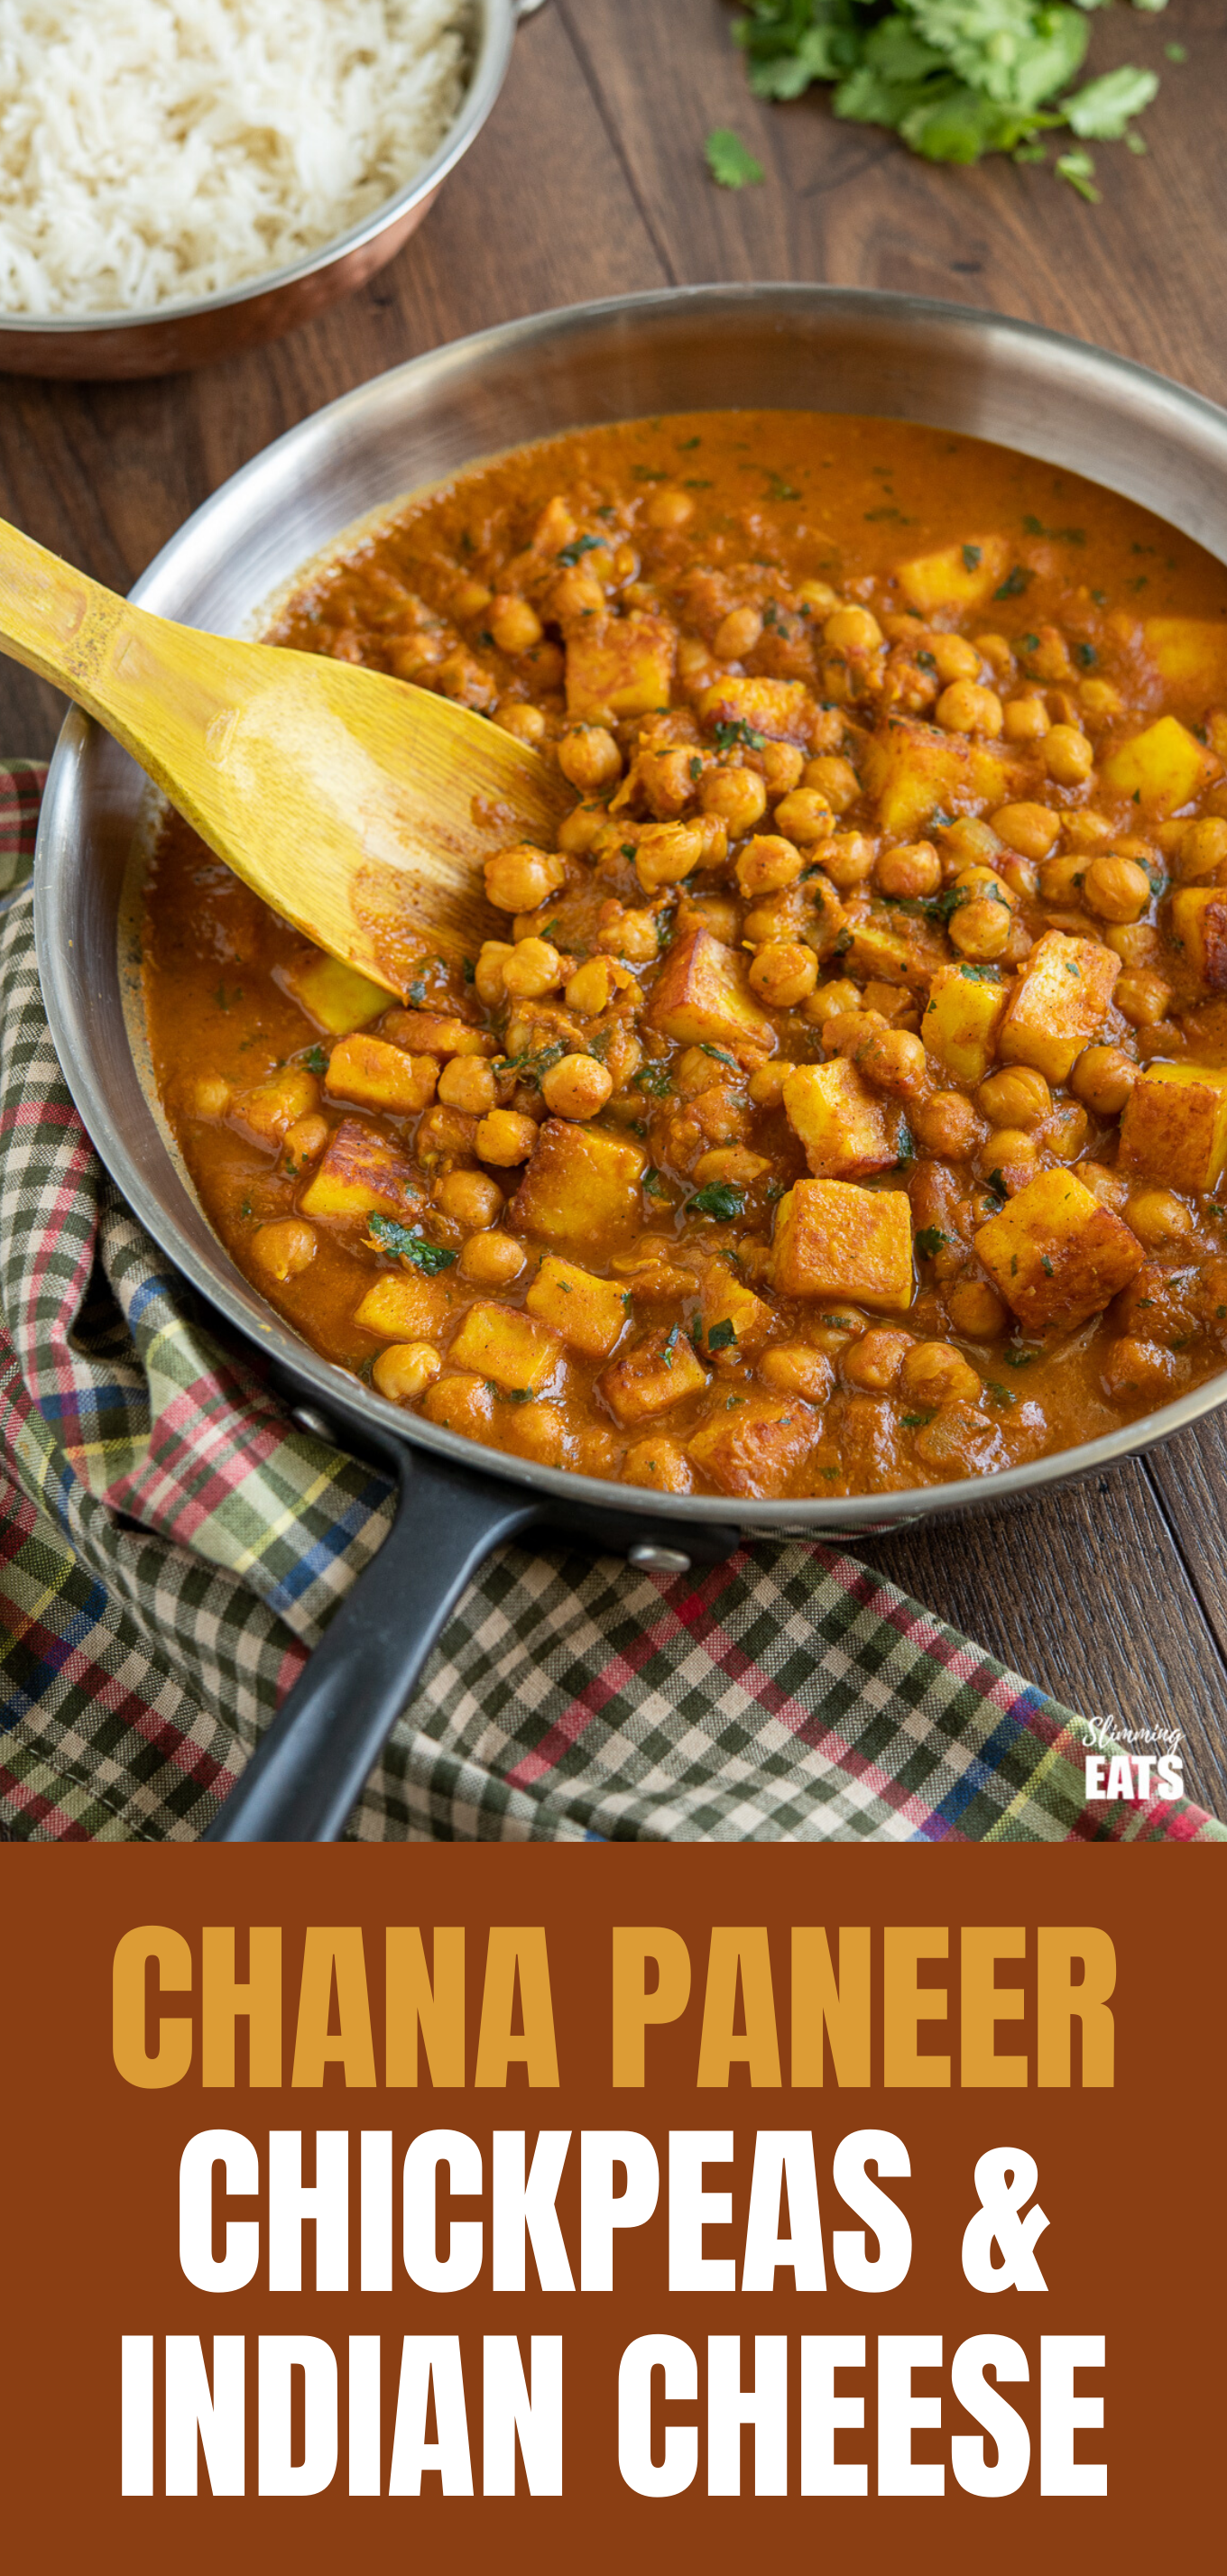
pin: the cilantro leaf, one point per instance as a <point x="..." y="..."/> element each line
<point x="1102" y="110"/>
<point x="721" y="1336"/>
<point x="719" y="1199"/>
<point x="730" y="161"/>
<point x="405" y="1244"/>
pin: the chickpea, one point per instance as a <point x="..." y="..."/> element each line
<point x="833" y="779"/>
<point x="589" y="758"/>
<point x="579" y="831"/>
<point x="492" y="1260"/>
<point x="1136" y="943"/>
<point x="467" y="1082"/>
<point x="577" y="1087"/>
<point x="1142" y="997"/>
<point x="965" y="708"/>
<point x="914" y="868"/>
<point x="981" y="879"/>
<point x="847" y="859"/>
<point x="505" y="1137"/>
<point x="632" y="935"/>
<point x="211" y="1097"/>
<point x="1066" y="1131"/>
<point x="1061" y="880"/>
<point x="995" y="650"/>
<point x="805" y="816"/>
<point x="306" y="1138"/>
<point x="667" y="510"/>
<point x="1025" y="719"/>
<point x="469" y="1198"/>
<point x="737" y="796"/>
<point x="576" y="593"/>
<point x="404" y="1371"/>
<point x="538" y="1431"/>
<point x="831" y="999"/>
<point x="875" y="1360"/>
<point x="955" y="658"/>
<point x="1117" y="889"/>
<point x="783" y="973"/>
<point x="665" y="779"/>
<point x="460" y="1401"/>
<point x="591" y="987"/>
<point x="893" y="1060"/>
<point x="1031" y="830"/>
<point x="1099" y="701"/>
<point x="1087" y="830"/>
<point x="714" y="912"/>
<point x="733" y="1163"/>
<point x="1016" y="1098"/>
<point x="526" y="723"/>
<point x="767" y="864"/>
<point x="816" y="598"/>
<point x="968" y="844"/>
<point x="514" y="625"/>
<point x="1021" y="875"/>
<point x="737" y="634"/>
<point x="852" y="630"/>
<point x="519" y="879"/>
<point x="658" y="1463"/>
<point x="1010" y="1151"/>
<point x="285" y="1248"/>
<point x="981" y="928"/>
<point x="947" y="1124"/>
<point x="532" y="969"/>
<point x="1104" y="1185"/>
<point x="666" y="853"/>
<point x="935" y="1373"/>
<point x="766" y="1084"/>
<point x="1157" y="1216"/>
<point x="783" y="765"/>
<point x="792" y="1369"/>
<point x="772" y="920"/>
<point x="1202" y="847"/>
<point x="976" y="1310"/>
<point x="1068" y="756"/>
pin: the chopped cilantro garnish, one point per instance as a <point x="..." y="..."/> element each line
<point x="653" y="1185"/>
<point x="407" y="1245"/>
<point x="720" y="1336"/>
<point x="672" y="1338"/>
<point x="930" y="1241"/>
<point x="316" y="1061"/>
<point x="730" y="161"/>
<point x="719" y="1200"/>
<point x="729" y="734"/>
<point x="1015" y="583"/>
<point x="720" y="1054"/>
<point x="971" y="557"/>
<point x="579" y="546"/>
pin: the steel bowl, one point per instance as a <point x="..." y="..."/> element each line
<point x="808" y="347"/>
<point x="193" y="334"/>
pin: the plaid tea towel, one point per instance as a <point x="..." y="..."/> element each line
<point x="171" y="1547"/>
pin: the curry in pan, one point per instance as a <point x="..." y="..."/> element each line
<point x="842" y="1105"/>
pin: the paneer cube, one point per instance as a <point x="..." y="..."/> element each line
<point x="581" y="1187"/>
<point x="1174" y="1126"/>
<point x="336" y="997"/>
<point x="401" y="1307"/>
<point x="959" y="1028"/>
<point x="833" y="1239"/>
<point x="955" y="577"/>
<point x="878" y="954"/>
<point x="1189" y="652"/>
<point x="757" y="1447"/>
<point x="783" y="710"/>
<point x="1199" y="927"/>
<point x="1059" y="1002"/>
<point x="380" y="1076"/>
<point x="619" y="666"/>
<point x="270" y="1107"/>
<point x="1162" y="769"/>
<point x="499" y="1342"/>
<point x="847" y="1129"/>
<point x="733" y="1323"/>
<point x="362" y="1174"/>
<point x="913" y="769"/>
<point x="1056" y="1254"/>
<point x="588" y="1312"/>
<point x="702" y="997"/>
<point x="658" y="1372"/>
<point x="436" y="1033"/>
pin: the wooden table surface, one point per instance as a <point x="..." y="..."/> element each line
<point x="589" y="181"/>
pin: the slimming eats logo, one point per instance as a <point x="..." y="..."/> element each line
<point x="1114" y="1773"/>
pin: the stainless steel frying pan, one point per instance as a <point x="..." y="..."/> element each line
<point x="799" y="347"/>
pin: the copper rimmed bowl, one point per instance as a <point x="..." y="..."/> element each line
<point x="177" y="336"/>
<point x="791" y="347"/>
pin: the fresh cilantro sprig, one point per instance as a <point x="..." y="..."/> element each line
<point x="730" y="161"/>
<point x="405" y="1244"/>
<point x="954" y="78"/>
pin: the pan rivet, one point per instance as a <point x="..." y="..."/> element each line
<point x="658" y="1560"/>
<point x="307" y="1419"/>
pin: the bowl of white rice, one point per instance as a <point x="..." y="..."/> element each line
<point x="181" y="179"/>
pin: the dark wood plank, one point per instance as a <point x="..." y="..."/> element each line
<point x="588" y="181"/>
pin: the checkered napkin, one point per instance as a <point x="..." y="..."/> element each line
<point x="170" y="1550"/>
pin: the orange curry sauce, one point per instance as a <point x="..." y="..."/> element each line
<point x="843" y="1105"/>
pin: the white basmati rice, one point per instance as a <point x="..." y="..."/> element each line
<point x="156" y="151"/>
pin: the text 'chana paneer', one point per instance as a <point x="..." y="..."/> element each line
<point x="362" y="1174"/>
<point x="1174" y="1126"/>
<point x="587" y="1312"/>
<point x="847" y="1130"/>
<point x="1056" y="1254"/>
<point x="703" y="998"/>
<point x="581" y="1187"/>
<point x="658" y="1372"/>
<point x="1059" y="1002"/>
<point x="833" y="1239"/>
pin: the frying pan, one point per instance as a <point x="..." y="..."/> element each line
<point x="800" y="347"/>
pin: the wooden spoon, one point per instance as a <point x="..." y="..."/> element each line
<point x="358" y="806"/>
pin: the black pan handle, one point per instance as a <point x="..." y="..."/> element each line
<point x="307" y="1773"/>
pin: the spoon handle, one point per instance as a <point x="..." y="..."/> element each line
<point x="145" y="679"/>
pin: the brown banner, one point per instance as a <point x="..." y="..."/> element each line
<point x="620" y="2205"/>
